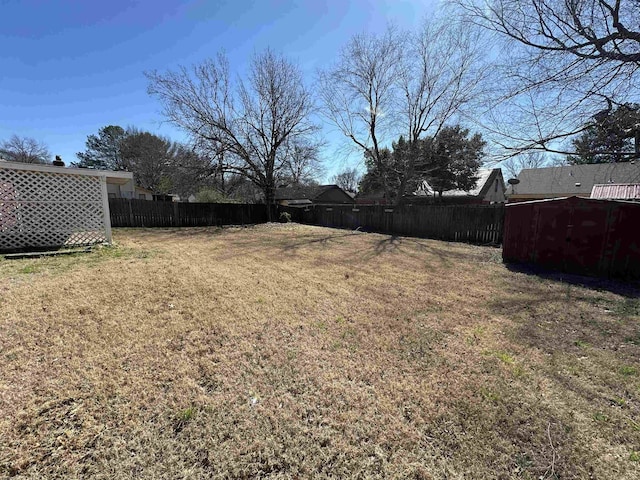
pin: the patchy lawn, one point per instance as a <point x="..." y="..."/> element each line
<point x="291" y="351"/>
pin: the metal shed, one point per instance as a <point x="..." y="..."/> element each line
<point x="577" y="235"/>
<point x="44" y="206"/>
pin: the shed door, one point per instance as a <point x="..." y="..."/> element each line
<point x="586" y="235"/>
<point x="551" y="238"/>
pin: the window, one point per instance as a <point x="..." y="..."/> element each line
<point x="112" y="195"/>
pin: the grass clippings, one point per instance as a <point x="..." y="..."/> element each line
<point x="288" y="351"/>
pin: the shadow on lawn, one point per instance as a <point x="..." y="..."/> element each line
<point x="373" y="245"/>
<point x="630" y="289"/>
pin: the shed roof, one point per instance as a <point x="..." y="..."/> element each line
<point x="112" y="176"/>
<point x="574" y="179"/>
<point x="625" y="191"/>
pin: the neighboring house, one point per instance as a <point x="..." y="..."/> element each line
<point x="571" y="180"/>
<point x="617" y="191"/>
<point x="307" y="195"/>
<point x="489" y="189"/>
<point x="119" y="184"/>
<point x="142" y="193"/>
<point x="373" y="198"/>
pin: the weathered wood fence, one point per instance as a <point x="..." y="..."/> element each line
<point x="145" y="213"/>
<point x="459" y="223"/>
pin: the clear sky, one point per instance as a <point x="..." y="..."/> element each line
<point x="68" y="68"/>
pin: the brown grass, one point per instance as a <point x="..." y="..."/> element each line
<point x="299" y="352"/>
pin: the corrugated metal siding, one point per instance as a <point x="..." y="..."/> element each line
<point x="621" y="191"/>
<point x="577" y="235"/>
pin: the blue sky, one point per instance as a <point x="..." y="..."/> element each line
<point x="71" y="67"/>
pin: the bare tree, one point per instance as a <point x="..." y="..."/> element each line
<point x="250" y="121"/>
<point x="360" y="92"/>
<point x="25" y="150"/>
<point x="347" y="180"/>
<point x="567" y="61"/>
<point x="302" y="162"/>
<point x="530" y="159"/>
<point x="409" y="83"/>
<point x="443" y="74"/>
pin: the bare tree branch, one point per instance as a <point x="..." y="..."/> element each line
<point x="247" y="123"/>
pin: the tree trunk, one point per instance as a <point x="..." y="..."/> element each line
<point x="270" y="200"/>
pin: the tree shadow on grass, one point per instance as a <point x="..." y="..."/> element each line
<point x="371" y="246"/>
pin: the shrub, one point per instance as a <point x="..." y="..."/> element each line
<point x="285" y="217"/>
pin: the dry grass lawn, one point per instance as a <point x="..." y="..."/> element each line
<point x="303" y="352"/>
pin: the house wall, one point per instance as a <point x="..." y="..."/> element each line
<point x="143" y="194"/>
<point x="125" y="190"/>
<point x="496" y="192"/>
<point x="113" y="190"/>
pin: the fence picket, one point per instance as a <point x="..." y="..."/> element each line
<point x="461" y="223"/>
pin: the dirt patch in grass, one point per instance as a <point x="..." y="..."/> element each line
<point x="294" y="351"/>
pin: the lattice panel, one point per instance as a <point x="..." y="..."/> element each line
<point x="49" y="210"/>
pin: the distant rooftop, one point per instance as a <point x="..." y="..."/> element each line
<point x="574" y="179"/>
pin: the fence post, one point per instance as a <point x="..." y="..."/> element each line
<point x="131" y="222"/>
<point x="176" y="220"/>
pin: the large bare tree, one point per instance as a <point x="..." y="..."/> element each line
<point x="347" y="179"/>
<point x="25" y="150"/>
<point x="402" y="83"/>
<point x="302" y="164"/>
<point x="530" y="159"/>
<point x="360" y="92"/>
<point x="567" y="62"/>
<point x="250" y="121"/>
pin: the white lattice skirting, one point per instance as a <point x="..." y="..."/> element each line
<point x="40" y="209"/>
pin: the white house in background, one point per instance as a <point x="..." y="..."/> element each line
<point x="142" y="193"/>
<point x="489" y="189"/>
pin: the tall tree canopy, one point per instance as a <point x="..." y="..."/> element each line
<point x="104" y="150"/>
<point x="450" y="160"/>
<point x="249" y="121"/>
<point x="24" y="150"/>
<point x="455" y="158"/>
<point x="401" y="83"/>
<point x="149" y="157"/>
<point x="610" y="137"/>
<point x="157" y="163"/>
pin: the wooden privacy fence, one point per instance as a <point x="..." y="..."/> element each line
<point x="145" y="213"/>
<point x="459" y="223"/>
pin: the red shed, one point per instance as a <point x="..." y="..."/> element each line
<point x="577" y="235"/>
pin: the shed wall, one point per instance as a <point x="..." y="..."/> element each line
<point x="576" y="235"/>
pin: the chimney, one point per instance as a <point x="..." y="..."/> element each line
<point x="58" y="161"/>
